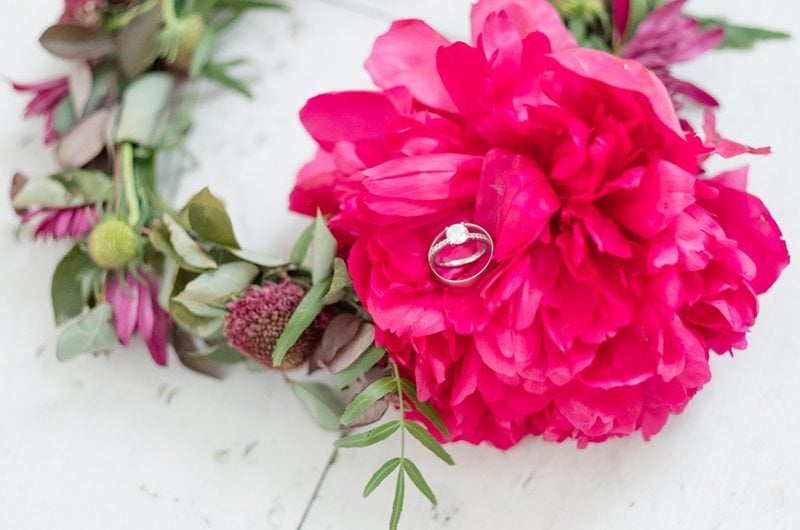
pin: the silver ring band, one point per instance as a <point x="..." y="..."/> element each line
<point x="456" y="235"/>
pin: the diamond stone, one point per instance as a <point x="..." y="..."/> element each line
<point x="457" y="234"/>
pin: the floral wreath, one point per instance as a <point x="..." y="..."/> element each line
<point x="513" y="236"/>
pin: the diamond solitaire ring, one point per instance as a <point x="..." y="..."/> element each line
<point x="460" y="253"/>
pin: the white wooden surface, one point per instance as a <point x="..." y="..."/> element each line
<point x="117" y="443"/>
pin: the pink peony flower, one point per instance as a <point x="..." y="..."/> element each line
<point x="136" y="308"/>
<point x="60" y="223"/>
<point x="46" y="97"/>
<point x="616" y="269"/>
<point x="667" y="37"/>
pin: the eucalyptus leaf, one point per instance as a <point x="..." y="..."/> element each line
<point x="63" y="116"/>
<point x="371" y="437"/>
<point x="186" y="248"/>
<point x="95" y="186"/>
<point x="76" y="42"/>
<point x="360" y="366"/>
<point x="224" y="354"/>
<point x="143" y="105"/>
<point x="138" y="40"/>
<point x="324" y="250"/>
<point x="80" y="86"/>
<point x="427" y="440"/>
<point x="366" y="398"/>
<point x="305" y="314"/>
<point x="416" y="477"/>
<point x="259" y="258"/>
<point x="380" y="475"/>
<point x="44" y="193"/>
<point x="84" y="141"/>
<point x="324" y="405"/>
<point x="204" y="294"/>
<point x="341" y="281"/>
<point x="207" y="217"/>
<point x="91" y="333"/>
<point x="71" y="284"/>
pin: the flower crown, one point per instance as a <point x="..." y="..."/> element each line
<point x="511" y="236"/>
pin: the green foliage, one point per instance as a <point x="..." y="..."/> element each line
<point x="360" y="366"/>
<point x="323" y="250"/>
<point x="322" y="402"/>
<point x="209" y="219"/>
<point x="309" y="308"/>
<point x="740" y="37"/>
<point x="404" y="389"/>
<point x="72" y="284"/>
<point x="89" y="334"/>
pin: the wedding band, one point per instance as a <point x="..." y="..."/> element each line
<point x="454" y="236"/>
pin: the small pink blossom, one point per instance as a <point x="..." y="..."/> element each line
<point x="46" y="97"/>
<point x="82" y="11"/>
<point x="667" y="37"/>
<point x="60" y="223"/>
<point x="136" y="309"/>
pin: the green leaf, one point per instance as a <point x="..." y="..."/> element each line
<point x="380" y="475"/>
<point x="202" y="52"/>
<point x="419" y="481"/>
<point x="45" y="193"/>
<point x="137" y="42"/>
<point x="143" y="104"/>
<point x="240" y="5"/>
<point x="740" y="37"/>
<point x="95" y="186"/>
<point x="367" y="360"/>
<point x="259" y="258"/>
<point x="324" y="250"/>
<point x="63" y="116"/>
<point x="91" y="333"/>
<point x="308" y="310"/>
<point x="219" y="73"/>
<point x="324" y="405"/>
<point x="371" y="437"/>
<point x="71" y="286"/>
<point x="423" y="407"/>
<point x="224" y="354"/>
<point x="341" y="281"/>
<point x="300" y="249"/>
<point x="186" y="248"/>
<point x="207" y="217"/>
<point x="397" y="503"/>
<point x="424" y="437"/>
<point x="76" y="42"/>
<point x="366" y="398"/>
<point x="204" y="295"/>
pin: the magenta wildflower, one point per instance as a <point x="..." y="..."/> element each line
<point x="46" y="97"/>
<point x="136" y="308"/>
<point x="60" y="223"/>
<point x="667" y="37"/>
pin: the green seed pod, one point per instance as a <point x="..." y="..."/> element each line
<point x="113" y="244"/>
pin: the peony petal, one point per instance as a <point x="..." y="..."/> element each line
<point x="346" y="116"/>
<point x="405" y="56"/>
<point x="514" y="202"/>
<point x="621" y="73"/>
<point x="314" y="187"/>
<point x="528" y="16"/>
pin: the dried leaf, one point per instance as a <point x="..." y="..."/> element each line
<point x="186" y="349"/>
<point x="138" y="41"/>
<point x="352" y="350"/>
<point x="84" y="141"/>
<point x="339" y="331"/>
<point x="80" y="86"/>
<point x="76" y="42"/>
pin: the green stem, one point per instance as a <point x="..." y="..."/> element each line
<point x="402" y="408"/>
<point x="129" y="183"/>
<point x="168" y="12"/>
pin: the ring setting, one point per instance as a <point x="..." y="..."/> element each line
<point x="460" y="253"/>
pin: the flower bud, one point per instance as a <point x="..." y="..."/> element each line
<point x="113" y="244"/>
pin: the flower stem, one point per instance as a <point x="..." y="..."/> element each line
<point x="129" y="183"/>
